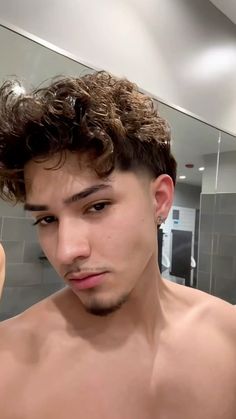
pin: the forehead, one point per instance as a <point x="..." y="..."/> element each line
<point x="45" y="182"/>
<point x="53" y="174"/>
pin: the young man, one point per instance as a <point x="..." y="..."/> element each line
<point x="90" y="158"/>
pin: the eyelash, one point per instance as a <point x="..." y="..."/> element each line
<point x="43" y="219"/>
<point x="103" y="203"/>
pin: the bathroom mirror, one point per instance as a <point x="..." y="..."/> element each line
<point x="192" y="141"/>
<point x="197" y="241"/>
<point x="218" y="228"/>
<point x="32" y="62"/>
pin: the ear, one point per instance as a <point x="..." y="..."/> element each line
<point x="162" y="189"/>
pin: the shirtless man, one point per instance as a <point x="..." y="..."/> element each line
<point x="90" y="158"/>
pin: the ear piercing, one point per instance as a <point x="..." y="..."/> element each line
<point x="160" y="220"/>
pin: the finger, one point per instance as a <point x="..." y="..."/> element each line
<point x="2" y="268"/>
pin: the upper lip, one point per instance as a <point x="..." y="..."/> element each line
<point x="83" y="275"/>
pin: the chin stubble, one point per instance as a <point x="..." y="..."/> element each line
<point x="98" y="309"/>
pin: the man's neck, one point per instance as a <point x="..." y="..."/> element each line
<point x="141" y="315"/>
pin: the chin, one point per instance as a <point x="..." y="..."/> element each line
<point x="100" y="308"/>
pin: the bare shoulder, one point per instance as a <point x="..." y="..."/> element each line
<point x="209" y="321"/>
<point x="15" y="336"/>
<point x="20" y="336"/>
<point x="194" y="301"/>
<point x="22" y="341"/>
<point x="16" y="340"/>
<point x="32" y="321"/>
<point x="200" y="347"/>
<point x="17" y="333"/>
<point x="207" y="309"/>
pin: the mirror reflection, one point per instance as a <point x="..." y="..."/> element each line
<point x="218" y="237"/>
<point x="197" y="241"/>
<point x="192" y="142"/>
<point x="33" y="63"/>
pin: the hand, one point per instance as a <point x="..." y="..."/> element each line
<point x="2" y="268"/>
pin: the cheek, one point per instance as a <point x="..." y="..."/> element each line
<point x="129" y="237"/>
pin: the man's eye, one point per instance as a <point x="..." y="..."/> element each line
<point x="98" y="207"/>
<point x="44" y="221"/>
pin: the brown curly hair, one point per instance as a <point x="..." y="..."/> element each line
<point x="105" y="118"/>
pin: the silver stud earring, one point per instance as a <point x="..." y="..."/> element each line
<point x="160" y="220"/>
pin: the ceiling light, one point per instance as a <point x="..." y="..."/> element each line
<point x="182" y="177"/>
<point x="201" y="169"/>
<point x="18" y="90"/>
<point x="213" y="62"/>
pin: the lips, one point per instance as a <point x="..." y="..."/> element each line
<point x="81" y="281"/>
<point x="83" y="275"/>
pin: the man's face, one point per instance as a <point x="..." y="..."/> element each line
<point x="100" y="228"/>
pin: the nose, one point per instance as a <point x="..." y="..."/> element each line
<point x="72" y="242"/>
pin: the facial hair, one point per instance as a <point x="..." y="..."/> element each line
<point x="98" y="309"/>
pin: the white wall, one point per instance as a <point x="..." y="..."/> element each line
<point x="183" y="51"/>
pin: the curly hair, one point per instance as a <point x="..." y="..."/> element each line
<point x="105" y="118"/>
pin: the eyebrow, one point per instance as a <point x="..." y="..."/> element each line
<point x="76" y="197"/>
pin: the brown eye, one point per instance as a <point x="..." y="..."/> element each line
<point x="45" y="220"/>
<point x="98" y="207"/>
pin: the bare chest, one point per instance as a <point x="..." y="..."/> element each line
<point x="117" y="385"/>
<point x="86" y="385"/>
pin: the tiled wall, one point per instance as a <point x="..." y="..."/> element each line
<point x="28" y="279"/>
<point x="217" y="245"/>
